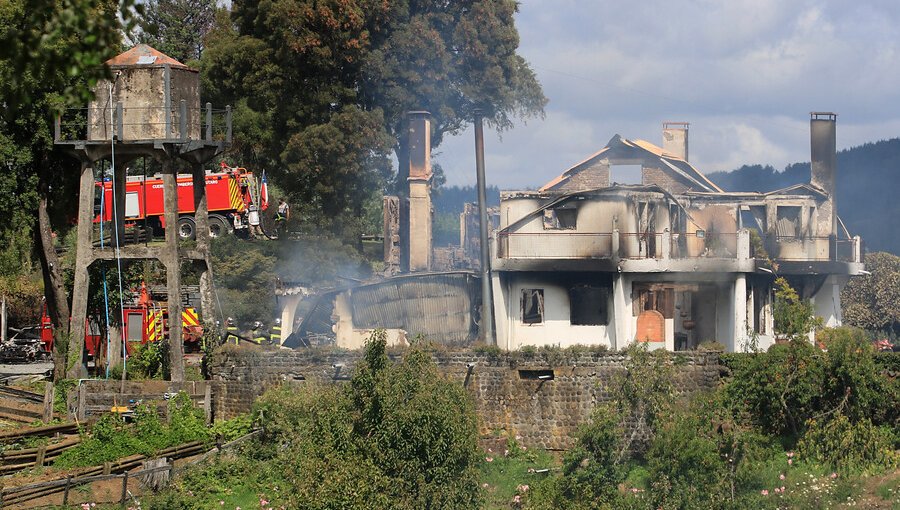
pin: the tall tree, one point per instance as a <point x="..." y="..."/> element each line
<point x="177" y="27"/>
<point x="873" y="301"/>
<point x="304" y="67"/>
<point x="51" y="56"/>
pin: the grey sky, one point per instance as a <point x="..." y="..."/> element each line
<point x="744" y="73"/>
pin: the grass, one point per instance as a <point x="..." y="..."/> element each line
<point x="505" y="476"/>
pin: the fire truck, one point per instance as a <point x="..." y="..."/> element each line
<point x="143" y="322"/>
<point x="229" y="196"/>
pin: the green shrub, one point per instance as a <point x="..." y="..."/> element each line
<point x="229" y="430"/>
<point x="784" y="388"/>
<point x="888" y="362"/>
<point x="61" y="394"/>
<point x="853" y="381"/>
<point x="850" y="446"/>
<point x="110" y="438"/>
<point x="685" y="465"/>
<point x="398" y="435"/>
<point x="593" y="470"/>
<point x="778" y="391"/>
<point x="794" y="317"/>
<point x="146" y="361"/>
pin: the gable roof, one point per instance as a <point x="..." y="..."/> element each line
<point x="144" y="55"/>
<point x="622" y="148"/>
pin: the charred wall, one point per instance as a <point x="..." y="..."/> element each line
<point x="513" y="394"/>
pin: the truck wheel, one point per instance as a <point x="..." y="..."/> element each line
<point x="218" y="226"/>
<point x="186" y="227"/>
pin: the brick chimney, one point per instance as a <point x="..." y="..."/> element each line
<point x="675" y="139"/>
<point x="823" y="166"/>
<point x="419" y="226"/>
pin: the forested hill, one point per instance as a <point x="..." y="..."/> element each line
<point x="868" y="189"/>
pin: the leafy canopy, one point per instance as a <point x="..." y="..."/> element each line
<point x="323" y="86"/>
<point x="177" y="27"/>
<point x="873" y="301"/>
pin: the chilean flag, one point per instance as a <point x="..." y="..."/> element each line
<point x="263" y="193"/>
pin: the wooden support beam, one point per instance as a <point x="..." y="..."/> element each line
<point x="201" y="220"/>
<point x="173" y="270"/>
<point x="83" y="258"/>
<point x="118" y="234"/>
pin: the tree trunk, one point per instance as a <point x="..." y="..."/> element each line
<point x="54" y="288"/>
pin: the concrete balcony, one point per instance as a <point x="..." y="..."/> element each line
<point x="666" y="251"/>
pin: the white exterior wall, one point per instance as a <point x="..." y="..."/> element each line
<point x="620" y="313"/>
<point x="557" y="328"/>
<point x="828" y="301"/>
<point x="731" y="314"/>
<point x="724" y="316"/>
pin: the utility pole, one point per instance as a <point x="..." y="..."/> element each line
<point x="487" y="299"/>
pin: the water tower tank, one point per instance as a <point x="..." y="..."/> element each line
<point x="150" y="86"/>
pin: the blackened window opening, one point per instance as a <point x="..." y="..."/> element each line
<point x="588" y="305"/>
<point x="532" y="306"/>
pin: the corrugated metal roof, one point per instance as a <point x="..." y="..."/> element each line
<point x="144" y="54"/>
<point x="441" y="306"/>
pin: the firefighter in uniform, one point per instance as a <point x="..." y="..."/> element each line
<point x="275" y="334"/>
<point x="282" y="215"/>
<point x="259" y="334"/>
<point x="231" y="331"/>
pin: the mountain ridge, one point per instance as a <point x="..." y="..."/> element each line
<point x="867" y="184"/>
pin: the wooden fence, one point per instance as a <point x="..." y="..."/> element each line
<point x="110" y="470"/>
<point x="94" y="398"/>
<point x="156" y="473"/>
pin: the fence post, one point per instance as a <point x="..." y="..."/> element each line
<point x="207" y="402"/>
<point x="39" y="458"/>
<point x="82" y="398"/>
<point x="66" y="493"/>
<point x="49" y="397"/>
<point x="124" y="489"/>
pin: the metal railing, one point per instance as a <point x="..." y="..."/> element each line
<point x="568" y="244"/>
<point x="641" y="245"/>
<point x="138" y="123"/>
<point x="812" y="248"/>
<point x="700" y="244"/>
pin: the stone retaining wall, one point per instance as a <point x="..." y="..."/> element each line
<point x="514" y="394"/>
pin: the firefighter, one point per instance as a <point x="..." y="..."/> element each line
<point x="282" y="215"/>
<point x="231" y="331"/>
<point x="259" y="334"/>
<point x="275" y="334"/>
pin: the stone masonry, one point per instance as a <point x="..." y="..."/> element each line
<point x="542" y="400"/>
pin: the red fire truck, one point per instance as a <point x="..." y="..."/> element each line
<point x="229" y="198"/>
<point x="144" y="322"/>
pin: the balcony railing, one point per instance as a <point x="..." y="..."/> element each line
<point x="140" y="123"/>
<point x="723" y="245"/>
<point x="641" y="245"/>
<point x="671" y="245"/>
<point x="555" y="245"/>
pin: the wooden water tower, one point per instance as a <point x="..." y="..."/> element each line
<point x="149" y="108"/>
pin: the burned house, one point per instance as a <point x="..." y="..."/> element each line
<point x="634" y="244"/>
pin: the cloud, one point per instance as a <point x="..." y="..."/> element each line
<point x="744" y="73"/>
